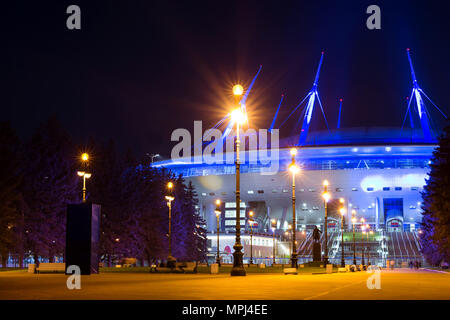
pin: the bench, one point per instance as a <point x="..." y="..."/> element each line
<point x="290" y="271"/>
<point x="180" y="267"/>
<point x="51" y="267"/>
<point x="189" y="267"/>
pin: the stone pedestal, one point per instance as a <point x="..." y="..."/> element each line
<point x="317" y="251"/>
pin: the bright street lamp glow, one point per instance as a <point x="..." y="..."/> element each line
<point x="238" y="90"/>
<point x="342" y="210"/>
<point x="85" y="157"/>
<point x="326" y="196"/>
<point x="170" y="185"/>
<point x="250" y="213"/>
<point x="325" y="183"/>
<point x="341" y="200"/>
<point x="293" y="151"/>
<point x="87" y="175"/>
<point x="294" y="168"/>
<point x="218" y="202"/>
<point x="353" y="220"/>
<point x="238" y="116"/>
<point x="81" y="173"/>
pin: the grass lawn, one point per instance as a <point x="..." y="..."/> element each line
<point x="12" y="269"/>
<point x="204" y="269"/>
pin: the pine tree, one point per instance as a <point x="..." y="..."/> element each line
<point x="435" y="230"/>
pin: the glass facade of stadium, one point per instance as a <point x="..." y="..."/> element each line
<point x="380" y="178"/>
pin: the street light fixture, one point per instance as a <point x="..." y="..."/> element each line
<point x="85" y="176"/>
<point x="354" y="243"/>
<point x="363" y="228"/>
<point x="342" y="211"/>
<point x="170" y="198"/>
<point x="294" y="170"/>
<point x="218" y="212"/>
<point x="326" y="197"/>
<point x="274" y="226"/>
<point x="368" y="251"/>
<point x="239" y="118"/>
<point x="250" y="222"/>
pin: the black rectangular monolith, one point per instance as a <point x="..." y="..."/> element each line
<point x="82" y="236"/>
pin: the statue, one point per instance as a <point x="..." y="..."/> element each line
<point x="317" y="251"/>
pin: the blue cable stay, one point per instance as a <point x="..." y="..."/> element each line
<point x="426" y="121"/>
<point x="408" y="110"/>
<point x="443" y="114"/>
<point x="323" y="112"/>
<point x="339" y="116"/>
<point x="242" y="103"/>
<point x="276" y="114"/>
<point x="310" y="107"/>
<point x="295" y="109"/>
<point x="244" y="98"/>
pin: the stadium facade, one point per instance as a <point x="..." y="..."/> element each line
<point x="380" y="172"/>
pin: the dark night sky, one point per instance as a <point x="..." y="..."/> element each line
<point x="137" y="70"/>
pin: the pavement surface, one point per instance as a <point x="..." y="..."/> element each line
<point x="394" y="285"/>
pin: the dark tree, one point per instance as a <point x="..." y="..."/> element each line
<point x="436" y="205"/>
<point x="10" y="196"/>
<point x="49" y="184"/>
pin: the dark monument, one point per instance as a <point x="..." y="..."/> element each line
<point x="317" y="250"/>
<point x="82" y="236"/>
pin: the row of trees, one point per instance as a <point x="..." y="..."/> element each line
<point x="38" y="179"/>
<point x="435" y="236"/>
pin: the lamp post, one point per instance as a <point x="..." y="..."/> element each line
<point x="363" y="228"/>
<point x="218" y="212"/>
<point x="342" y="211"/>
<point x="326" y="197"/>
<point x="84" y="174"/>
<point x="239" y="118"/>
<point x="354" y="243"/>
<point x="294" y="169"/>
<point x="250" y="222"/>
<point x="293" y="240"/>
<point x="170" y="198"/>
<point x="368" y="251"/>
<point x="274" y="226"/>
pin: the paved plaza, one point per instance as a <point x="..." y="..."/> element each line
<point x="397" y="284"/>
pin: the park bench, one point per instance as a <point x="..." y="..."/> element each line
<point x="51" y="267"/>
<point x="189" y="267"/>
<point x="290" y="271"/>
<point x="180" y="267"/>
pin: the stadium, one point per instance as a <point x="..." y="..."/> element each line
<point x="380" y="172"/>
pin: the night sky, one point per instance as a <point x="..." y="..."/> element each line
<point x="137" y="70"/>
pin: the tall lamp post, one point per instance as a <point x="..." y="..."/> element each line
<point x="250" y="222"/>
<point x="294" y="169"/>
<point x="218" y="212"/>
<point x="239" y="118"/>
<point x="84" y="174"/>
<point x="368" y="251"/>
<point x="363" y="228"/>
<point x="354" y="243"/>
<point x="170" y="198"/>
<point x="342" y="211"/>
<point x="326" y="197"/>
<point x="274" y="227"/>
